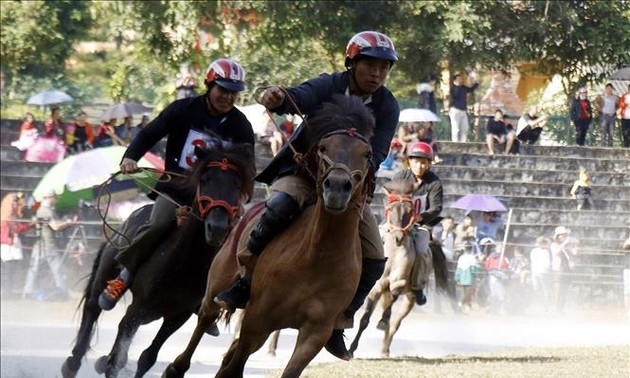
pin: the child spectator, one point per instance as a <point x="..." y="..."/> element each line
<point x="581" y="190"/>
<point x="83" y="134"/>
<point x="498" y="269"/>
<point x="466" y="275"/>
<point x="563" y="252"/>
<point x="394" y="159"/>
<point x="10" y="245"/>
<point x="28" y="133"/>
<point x="464" y="231"/>
<point x="540" y="262"/>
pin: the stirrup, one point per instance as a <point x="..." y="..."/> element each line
<point x="112" y="293"/>
<point x="234" y="297"/>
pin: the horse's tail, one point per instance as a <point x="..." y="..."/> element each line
<point x="440" y="267"/>
<point x="92" y="276"/>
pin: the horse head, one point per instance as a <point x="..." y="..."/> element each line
<point x="222" y="178"/>
<point x="400" y="210"/>
<point x="340" y="150"/>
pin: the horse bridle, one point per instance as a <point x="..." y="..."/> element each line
<point x="207" y="203"/>
<point x="358" y="175"/>
<point x="394" y="198"/>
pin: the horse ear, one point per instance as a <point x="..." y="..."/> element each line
<point x="200" y="153"/>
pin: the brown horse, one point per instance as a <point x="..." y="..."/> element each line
<point x="307" y="276"/>
<point x="400" y="216"/>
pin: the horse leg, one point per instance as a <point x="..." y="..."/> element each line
<point x="311" y="339"/>
<point x="91" y="312"/>
<point x="252" y="336"/>
<point x="273" y="343"/>
<point x="205" y="319"/>
<point x="388" y="302"/>
<point x="408" y="303"/>
<point x="117" y="358"/>
<point x="149" y="356"/>
<point x="370" y="304"/>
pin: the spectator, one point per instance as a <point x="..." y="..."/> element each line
<point x="144" y="121"/>
<point x="123" y="131"/>
<point x="427" y="134"/>
<point x="83" y="135"/>
<point x="458" y="110"/>
<point x="497" y="132"/>
<point x="45" y="249"/>
<point x="445" y="233"/>
<point x="394" y="159"/>
<point x="529" y="126"/>
<point x="28" y="133"/>
<point x="498" y="268"/>
<point x="624" y="110"/>
<point x="540" y="263"/>
<point x="10" y="244"/>
<point x="516" y="144"/>
<point x="581" y="191"/>
<point x="426" y="94"/>
<point x="464" y="231"/>
<point x="607" y="105"/>
<point x="581" y="115"/>
<point x="487" y="225"/>
<point x="408" y="131"/>
<point x="105" y="134"/>
<point x="54" y="126"/>
<point x="466" y="275"/>
<point x="563" y="251"/>
<point x="185" y="83"/>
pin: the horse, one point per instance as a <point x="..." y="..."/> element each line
<point x="400" y="214"/>
<point x="307" y="276"/>
<point x="171" y="284"/>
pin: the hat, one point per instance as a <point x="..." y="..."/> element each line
<point x="49" y="193"/>
<point x="561" y="230"/>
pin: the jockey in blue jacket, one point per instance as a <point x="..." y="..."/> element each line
<point x="370" y="56"/>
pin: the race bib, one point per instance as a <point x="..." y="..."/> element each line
<point x="195" y="139"/>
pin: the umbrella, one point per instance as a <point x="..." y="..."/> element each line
<point x="49" y="97"/>
<point x="78" y="177"/>
<point x="621" y="74"/>
<point x="417" y="115"/>
<point x="479" y="202"/>
<point x="122" y="110"/>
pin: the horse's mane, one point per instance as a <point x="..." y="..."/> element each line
<point x="342" y="112"/>
<point x="239" y="154"/>
<point x="400" y="186"/>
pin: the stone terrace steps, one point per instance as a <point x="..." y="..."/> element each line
<point x="544" y="163"/>
<point x="556" y="151"/>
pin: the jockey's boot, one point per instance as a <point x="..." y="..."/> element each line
<point x="280" y="210"/>
<point x="115" y="290"/>
<point x="371" y="271"/>
<point x="421" y="299"/>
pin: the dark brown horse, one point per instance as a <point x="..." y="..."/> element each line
<point x="171" y="284"/>
<point x="400" y="215"/>
<point x="307" y="276"/>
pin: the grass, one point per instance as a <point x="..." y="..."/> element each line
<point x="605" y="361"/>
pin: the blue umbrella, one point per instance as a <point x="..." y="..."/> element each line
<point x="49" y="97"/>
<point x="479" y="202"/>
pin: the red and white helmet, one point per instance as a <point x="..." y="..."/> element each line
<point x="420" y="149"/>
<point x="226" y="73"/>
<point x="373" y="44"/>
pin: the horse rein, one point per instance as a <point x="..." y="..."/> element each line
<point x="397" y="198"/>
<point x="207" y="203"/>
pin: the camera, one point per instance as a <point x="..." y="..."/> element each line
<point x="85" y="204"/>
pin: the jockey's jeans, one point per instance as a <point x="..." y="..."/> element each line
<point x="421" y="272"/>
<point x="304" y="193"/>
<point x="150" y="235"/>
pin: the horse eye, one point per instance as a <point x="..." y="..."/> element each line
<point x="322" y="149"/>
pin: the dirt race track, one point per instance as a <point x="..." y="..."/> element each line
<point x="37" y="336"/>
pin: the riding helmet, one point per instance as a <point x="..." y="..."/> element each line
<point x="372" y="44"/>
<point x="226" y="73"/>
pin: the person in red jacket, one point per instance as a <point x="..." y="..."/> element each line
<point x="10" y="244"/>
<point x="624" y="112"/>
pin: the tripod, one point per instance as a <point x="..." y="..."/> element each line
<point x="77" y="244"/>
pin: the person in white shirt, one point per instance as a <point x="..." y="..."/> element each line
<point x="529" y="126"/>
<point x="607" y="105"/>
<point x="540" y="262"/>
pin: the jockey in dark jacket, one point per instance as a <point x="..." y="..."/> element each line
<point x="198" y="121"/>
<point x="369" y="58"/>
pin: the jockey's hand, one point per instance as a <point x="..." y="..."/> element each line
<point x="129" y="166"/>
<point x="272" y="98"/>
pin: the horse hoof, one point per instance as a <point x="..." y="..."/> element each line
<point x="382" y="325"/>
<point x="101" y="364"/>
<point x="271" y="354"/>
<point x="67" y="371"/>
<point x="213" y="330"/>
<point x="172" y="372"/>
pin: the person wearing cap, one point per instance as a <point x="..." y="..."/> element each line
<point x="45" y="249"/>
<point x="563" y="252"/>
<point x="370" y="55"/>
<point x="427" y="198"/>
<point x="203" y="120"/>
<point x="581" y="115"/>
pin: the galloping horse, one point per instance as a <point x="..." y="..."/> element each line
<point x="307" y="276"/>
<point x="400" y="213"/>
<point x="171" y="284"/>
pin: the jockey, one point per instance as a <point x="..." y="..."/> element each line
<point x="428" y="200"/>
<point x="370" y="56"/>
<point x="187" y="123"/>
